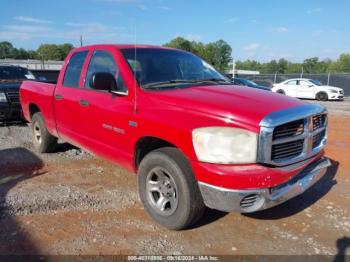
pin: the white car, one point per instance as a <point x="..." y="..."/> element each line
<point x="308" y="88"/>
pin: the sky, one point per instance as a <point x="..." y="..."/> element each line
<point x="255" y="29"/>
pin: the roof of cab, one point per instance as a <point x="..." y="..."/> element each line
<point x="122" y="46"/>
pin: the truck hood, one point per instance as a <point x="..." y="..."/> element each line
<point x="9" y="86"/>
<point x="229" y="102"/>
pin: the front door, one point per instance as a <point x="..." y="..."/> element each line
<point x="305" y="89"/>
<point x="291" y="88"/>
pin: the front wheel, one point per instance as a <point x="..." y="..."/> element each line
<point x="322" y="96"/>
<point x="168" y="189"/>
<point x="44" y="142"/>
<point x="280" y="91"/>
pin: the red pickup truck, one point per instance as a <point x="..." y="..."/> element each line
<point x="193" y="138"/>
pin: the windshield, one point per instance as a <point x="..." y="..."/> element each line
<point x="316" y="82"/>
<point x="15" y="73"/>
<point x="155" y="67"/>
<point x="249" y="83"/>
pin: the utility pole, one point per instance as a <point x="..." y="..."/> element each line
<point x="81" y="40"/>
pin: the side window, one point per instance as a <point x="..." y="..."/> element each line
<point x="304" y="83"/>
<point x="292" y="83"/>
<point x="102" y="61"/>
<point x="238" y="82"/>
<point x="73" y="70"/>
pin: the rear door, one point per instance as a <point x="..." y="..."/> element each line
<point x="106" y="115"/>
<point x="67" y="106"/>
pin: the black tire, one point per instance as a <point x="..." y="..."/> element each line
<point x="189" y="205"/>
<point x="322" y="96"/>
<point x="280" y="91"/>
<point x="43" y="141"/>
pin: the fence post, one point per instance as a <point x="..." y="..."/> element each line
<point x="302" y="71"/>
<point x="329" y="76"/>
<point x="274" y="81"/>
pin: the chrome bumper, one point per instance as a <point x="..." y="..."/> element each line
<point x="246" y="201"/>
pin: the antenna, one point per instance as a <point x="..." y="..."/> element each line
<point x="81" y="40"/>
<point x="135" y="64"/>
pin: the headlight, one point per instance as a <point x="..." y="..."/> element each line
<point x="334" y="91"/>
<point x="225" y="145"/>
<point x="3" y="98"/>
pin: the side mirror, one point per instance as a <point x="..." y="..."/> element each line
<point x="103" y="81"/>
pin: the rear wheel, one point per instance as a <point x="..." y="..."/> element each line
<point x="168" y="189"/>
<point x="44" y="142"/>
<point x="322" y="96"/>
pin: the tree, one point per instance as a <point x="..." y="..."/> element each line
<point x="218" y="53"/>
<point x="249" y="65"/>
<point x="65" y="49"/>
<point x="6" y="50"/>
<point x="224" y="54"/>
<point x="311" y="65"/>
<point x="343" y="63"/>
<point x="180" y="43"/>
<point x="282" y="66"/>
<point x="272" y="66"/>
<point x="49" y="52"/>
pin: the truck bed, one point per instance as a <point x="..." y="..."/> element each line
<point x="41" y="95"/>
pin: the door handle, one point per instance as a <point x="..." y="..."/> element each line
<point x="58" y="97"/>
<point x="83" y="102"/>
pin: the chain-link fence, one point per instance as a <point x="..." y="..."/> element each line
<point x="338" y="80"/>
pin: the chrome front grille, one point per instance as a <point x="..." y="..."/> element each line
<point x="318" y="121"/>
<point x="289" y="149"/>
<point x="290" y="129"/>
<point x="317" y="139"/>
<point x="13" y="97"/>
<point x="292" y="135"/>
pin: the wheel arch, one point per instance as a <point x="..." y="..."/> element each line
<point x="33" y="108"/>
<point x="147" y="144"/>
<point x="322" y="92"/>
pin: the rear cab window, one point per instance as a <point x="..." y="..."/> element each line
<point x="74" y="69"/>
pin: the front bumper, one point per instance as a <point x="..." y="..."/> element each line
<point x="246" y="201"/>
<point x="10" y="111"/>
<point x="334" y="96"/>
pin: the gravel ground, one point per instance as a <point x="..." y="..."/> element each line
<point x="339" y="108"/>
<point x="70" y="202"/>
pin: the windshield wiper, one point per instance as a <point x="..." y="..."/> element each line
<point x="158" y="84"/>
<point x="215" y="80"/>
